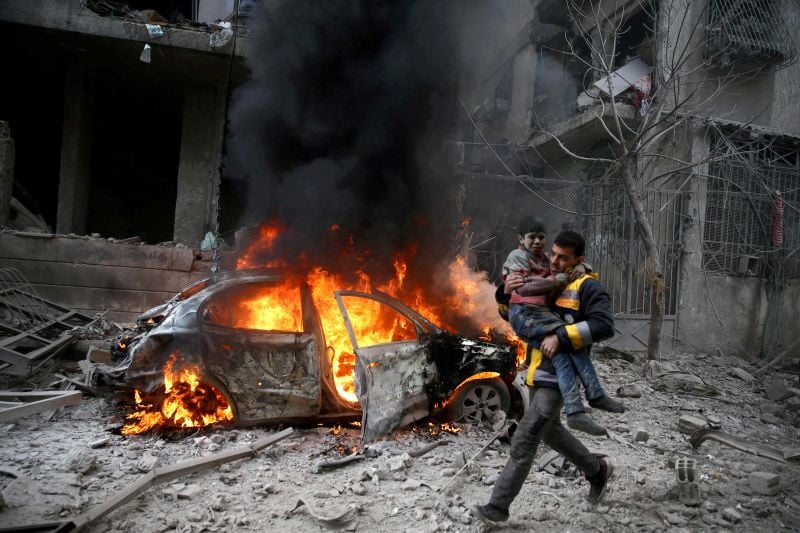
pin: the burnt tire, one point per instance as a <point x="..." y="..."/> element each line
<point x="479" y="400"/>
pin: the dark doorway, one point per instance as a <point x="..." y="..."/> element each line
<point x="32" y="102"/>
<point x="136" y="132"/>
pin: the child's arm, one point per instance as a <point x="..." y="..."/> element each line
<point x="537" y="285"/>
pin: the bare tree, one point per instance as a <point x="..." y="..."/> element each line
<point x="645" y="139"/>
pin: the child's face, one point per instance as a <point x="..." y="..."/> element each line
<point x="533" y="241"/>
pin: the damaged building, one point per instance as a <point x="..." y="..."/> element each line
<point x="112" y="122"/>
<point x="719" y="185"/>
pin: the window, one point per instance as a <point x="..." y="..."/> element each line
<point x="263" y="307"/>
<point x="748" y="32"/>
<point x="376" y="323"/>
<point x="743" y="212"/>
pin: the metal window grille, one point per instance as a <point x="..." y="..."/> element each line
<point x="748" y="32"/>
<point x="504" y="89"/>
<point x="741" y="206"/>
<point x="614" y="248"/>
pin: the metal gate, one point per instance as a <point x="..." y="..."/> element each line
<point x="615" y="251"/>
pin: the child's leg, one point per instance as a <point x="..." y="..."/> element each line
<point x="588" y="375"/>
<point x="532" y="322"/>
<point x="568" y="383"/>
<point x="591" y="382"/>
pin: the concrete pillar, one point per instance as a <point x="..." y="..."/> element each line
<point x="198" y="171"/>
<point x="6" y="171"/>
<point x="73" y="185"/>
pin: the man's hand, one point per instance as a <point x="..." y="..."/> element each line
<point x="549" y="346"/>
<point x="514" y="281"/>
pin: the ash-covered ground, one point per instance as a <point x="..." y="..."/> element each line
<point x="52" y="470"/>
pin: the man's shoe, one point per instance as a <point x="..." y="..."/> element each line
<point x="582" y="422"/>
<point x="489" y="513"/>
<point x="598" y="482"/>
<point x="607" y="404"/>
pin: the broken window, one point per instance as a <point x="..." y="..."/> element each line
<point x="376" y="323"/>
<point x="261" y="307"/>
<point x="748" y="32"/>
<point x="749" y="228"/>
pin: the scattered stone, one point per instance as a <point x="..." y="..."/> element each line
<point x="220" y="503"/>
<point x="714" y="422"/>
<point x="540" y="514"/>
<point x="641" y="436"/>
<point x="217" y="438"/>
<point x="656" y="490"/>
<point x="765" y="483"/>
<point x="770" y="419"/>
<point x="81" y="462"/>
<point x="710" y="506"/>
<point x="777" y="391"/>
<point x="173" y="490"/>
<point x="214" y="447"/>
<point x="629" y="391"/>
<point x="689" y="424"/>
<point x="147" y="463"/>
<point x="412" y="484"/>
<point x="190" y="492"/>
<point x="730" y="514"/>
<point x="271" y="488"/>
<point x="419" y="514"/>
<point x="741" y="374"/>
<point x="491" y="480"/>
<point x="448" y="472"/>
<point x="99" y="443"/>
<point x="358" y="489"/>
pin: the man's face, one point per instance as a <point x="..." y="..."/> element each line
<point x="563" y="259"/>
<point x="533" y="241"/>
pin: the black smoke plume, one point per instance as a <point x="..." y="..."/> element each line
<point x="348" y="102"/>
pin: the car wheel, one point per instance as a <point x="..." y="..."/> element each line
<point x="479" y="400"/>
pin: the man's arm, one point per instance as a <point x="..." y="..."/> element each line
<point x="598" y="319"/>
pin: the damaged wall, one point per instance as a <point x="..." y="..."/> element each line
<point x="93" y="275"/>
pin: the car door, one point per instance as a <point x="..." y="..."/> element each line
<point x="271" y="368"/>
<point x="393" y="367"/>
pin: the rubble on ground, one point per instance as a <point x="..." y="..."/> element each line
<point x="58" y="468"/>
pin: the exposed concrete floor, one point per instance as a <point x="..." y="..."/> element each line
<point x="60" y="475"/>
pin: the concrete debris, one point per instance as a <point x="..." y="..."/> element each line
<point x="147" y="463"/>
<point x="190" y="492"/>
<point x="730" y="514"/>
<point x="99" y="443"/>
<point x="777" y="391"/>
<point x="629" y="391"/>
<point x="81" y="462"/>
<point x="691" y="424"/>
<point x="641" y="436"/>
<point x="656" y="490"/>
<point x="765" y="483"/>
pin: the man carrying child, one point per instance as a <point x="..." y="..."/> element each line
<point x="532" y="320"/>
<point x="584" y="306"/>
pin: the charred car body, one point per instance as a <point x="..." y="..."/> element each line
<point x="276" y="375"/>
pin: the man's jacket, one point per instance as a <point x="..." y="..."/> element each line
<point x="585" y="307"/>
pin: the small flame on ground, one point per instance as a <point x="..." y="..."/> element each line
<point x="187" y="402"/>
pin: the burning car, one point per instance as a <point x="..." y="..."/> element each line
<point x="256" y="347"/>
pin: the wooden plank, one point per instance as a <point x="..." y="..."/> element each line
<point x="51" y="400"/>
<point x="111" y="277"/>
<point x="168" y="473"/>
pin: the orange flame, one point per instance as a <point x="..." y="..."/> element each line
<point x="278" y="308"/>
<point x="187" y="402"/>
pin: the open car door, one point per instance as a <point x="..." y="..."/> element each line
<point x="393" y="367"/>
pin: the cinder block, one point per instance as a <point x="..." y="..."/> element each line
<point x="765" y="483"/>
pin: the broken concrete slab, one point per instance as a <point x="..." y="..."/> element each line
<point x="690" y="424"/>
<point x="765" y="483"/>
<point x="777" y="391"/>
